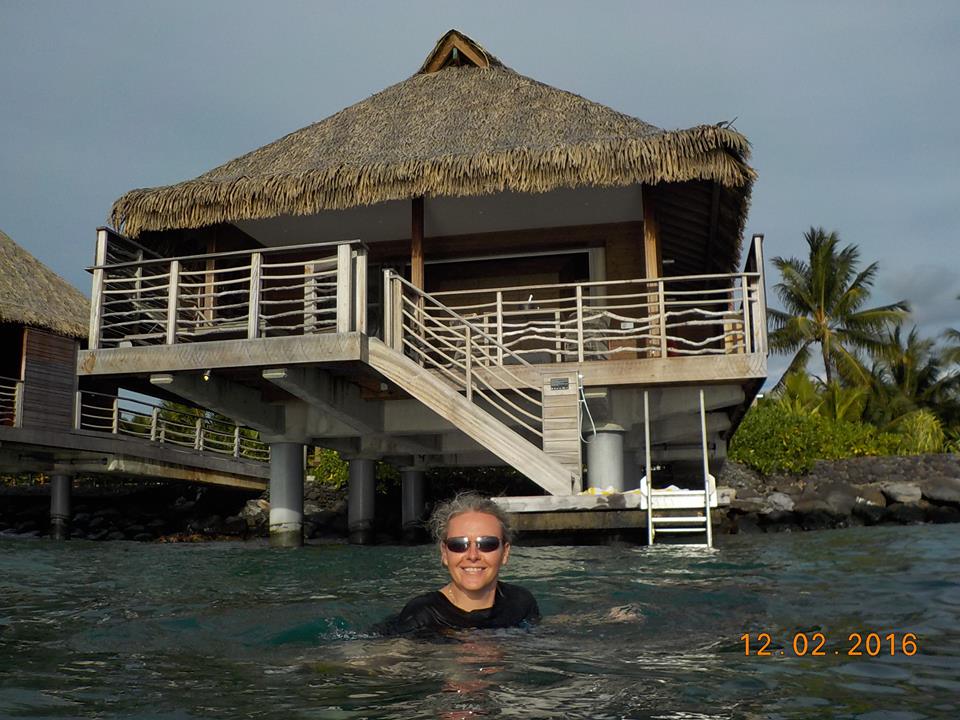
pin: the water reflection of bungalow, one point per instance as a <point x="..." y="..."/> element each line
<point x="51" y="423"/>
<point x="446" y="274"/>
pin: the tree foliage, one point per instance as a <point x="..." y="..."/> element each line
<point x="824" y="299"/>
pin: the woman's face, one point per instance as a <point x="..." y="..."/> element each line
<point x="474" y="571"/>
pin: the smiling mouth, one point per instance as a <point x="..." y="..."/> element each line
<point x="473" y="569"/>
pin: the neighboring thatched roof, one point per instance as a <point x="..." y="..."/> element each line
<point x="32" y="294"/>
<point x="449" y="130"/>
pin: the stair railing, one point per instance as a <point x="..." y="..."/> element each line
<point x="438" y="338"/>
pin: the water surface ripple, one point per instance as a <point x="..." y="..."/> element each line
<point x="127" y="630"/>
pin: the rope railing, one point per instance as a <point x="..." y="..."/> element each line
<point x="11" y="402"/>
<point x="575" y="322"/>
<point x="438" y="338"/>
<point x="150" y="420"/>
<point x="268" y="292"/>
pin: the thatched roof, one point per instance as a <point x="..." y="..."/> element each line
<point x="32" y="294"/>
<point x="451" y="129"/>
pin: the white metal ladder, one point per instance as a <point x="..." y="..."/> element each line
<point x="679" y="512"/>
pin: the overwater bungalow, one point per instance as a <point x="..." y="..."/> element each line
<point x="59" y="425"/>
<point x="469" y="268"/>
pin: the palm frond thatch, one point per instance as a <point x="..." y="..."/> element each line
<point x="32" y="294"/>
<point x="458" y="131"/>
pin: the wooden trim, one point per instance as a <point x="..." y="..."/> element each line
<point x="518" y="242"/>
<point x="441" y="56"/>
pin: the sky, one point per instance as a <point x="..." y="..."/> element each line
<point x="851" y="107"/>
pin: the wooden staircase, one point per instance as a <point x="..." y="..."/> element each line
<point x="444" y="360"/>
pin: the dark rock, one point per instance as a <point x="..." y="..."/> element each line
<point x="116" y="535"/>
<point x="753" y="505"/>
<point x="26" y="527"/>
<point x="942" y="514"/>
<point x="868" y="512"/>
<point x="871" y="496"/>
<point x="839" y="496"/>
<point x="904" y="513"/>
<point x="81" y="518"/>
<point x="235" y="525"/>
<point x="814" y="514"/>
<point x="143" y="537"/>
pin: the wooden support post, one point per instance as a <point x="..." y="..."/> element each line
<point x="154" y="424"/>
<point x="116" y="416"/>
<point x="360" y="285"/>
<point x="198" y="434"/>
<point x="236" y="441"/>
<point x="96" y="301"/>
<point x="77" y="409"/>
<point x="253" y="306"/>
<point x="416" y="242"/>
<point x="173" y="291"/>
<point x="416" y="253"/>
<point x="760" y="305"/>
<point x="558" y="344"/>
<point x="344" y="288"/>
<point x="652" y="260"/>
<point x="468" y="361"/>
<point x="208" y="296"/>
<point x="18" y="404"/>
<point x="396" y="293"/>
<point x="579" y="323"/>
<point x="662" y="318"/>
<point x="387" y="310"/>
<point x="499" y="327"/>
<point x="745" y="301"/>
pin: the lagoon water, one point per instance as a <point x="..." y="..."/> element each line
<point x="127" y="630"/>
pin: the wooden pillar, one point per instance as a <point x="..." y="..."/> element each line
<point x="652" y="260"/>
<point x="653" y="265"/>
<point x="416" y="242"/>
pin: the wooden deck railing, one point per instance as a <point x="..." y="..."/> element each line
<point x="438" y="338"/>
<point x="719" y="314"/>
<point x="148" y="419"/>
<point x="295" y="290"/>
<point x="11" y="402"/>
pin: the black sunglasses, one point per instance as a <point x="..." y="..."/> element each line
<point x="485" y="543"/>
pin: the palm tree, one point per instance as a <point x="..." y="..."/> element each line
<point x="909" y="375"/>
<point x="824" y="298"/>
<point x="951" y="354"/>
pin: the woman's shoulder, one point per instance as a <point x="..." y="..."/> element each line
<point x="513" y="592"/>
<point x="427" y="600"/>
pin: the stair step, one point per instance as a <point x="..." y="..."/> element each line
<point x="680" y="530"/>
<point x="678" y="519"/>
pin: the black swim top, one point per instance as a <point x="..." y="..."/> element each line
<point x="513" y="606"/>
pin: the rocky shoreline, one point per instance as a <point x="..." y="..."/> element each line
<point x="170" y="512"/>
<point x="838" y="494"/>
<point x="843" y="493"/>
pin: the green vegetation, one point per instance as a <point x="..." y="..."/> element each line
<point x="883" y="393"/>
<point x="824" y="298"/>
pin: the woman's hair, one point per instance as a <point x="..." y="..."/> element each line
<point x="467" y="502"/>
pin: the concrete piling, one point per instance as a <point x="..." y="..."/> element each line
<point x="412" y="504"/>
<point x="286" y="494"/>
<point x="360" y="500"/>
<point x="61" y="486"/>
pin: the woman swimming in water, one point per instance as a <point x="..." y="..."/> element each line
<point x="474" y="535"/>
